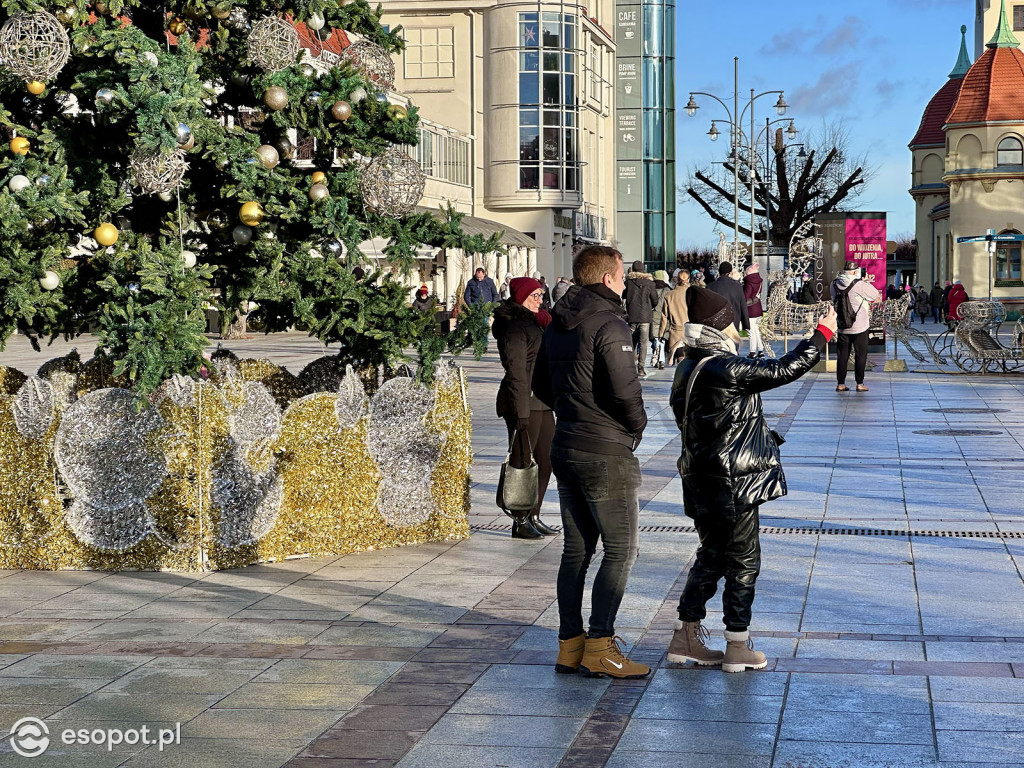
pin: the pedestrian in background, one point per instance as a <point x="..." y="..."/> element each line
<point x="945" y="301"/>
<point x="505" y="292"/>
<point x="587" y="370"/>
<point x="641" y="298"/>
<point x="662" y="287"/>
<point x="559" y="290"/>
<point x="855" y="335"/>
<point x="480" y="289"/>
<point x="752" y="284"/>
<point x="519" y="324"/>
<point x="732" y="291"/>
<point x="935" y="299"/>
<point x="957" y="296"/>
<point x="671" y="325"/>
<point x="423" y="302"/>
<point x="730" y="465"/>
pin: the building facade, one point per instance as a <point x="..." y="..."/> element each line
<point x="515" y="101"/>
<point x="968" y="171"/>
<point x="645" y="131"/>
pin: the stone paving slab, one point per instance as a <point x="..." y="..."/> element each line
<point x="884" y="650"/>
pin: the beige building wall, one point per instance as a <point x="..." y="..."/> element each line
<point x="461" y="69"/>
<point x="983" y="196"/>
<point x="928" y="191"/>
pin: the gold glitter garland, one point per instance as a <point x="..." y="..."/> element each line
<point x="330" y="480"/>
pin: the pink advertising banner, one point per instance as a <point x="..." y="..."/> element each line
<point x="865" y="244"/>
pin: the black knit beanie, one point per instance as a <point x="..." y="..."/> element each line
<point x="638" y="266"/>
<point x="708" y="308"/>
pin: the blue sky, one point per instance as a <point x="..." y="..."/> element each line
<point x="874" y="67"/>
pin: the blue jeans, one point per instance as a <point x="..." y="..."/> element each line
<point x="599" y="496"/>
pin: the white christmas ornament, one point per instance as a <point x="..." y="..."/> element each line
<point x="18" y="183"/>
<point x="315" y="21"/>
<point x="189" y="259"/>
<point x="50" y="280"/>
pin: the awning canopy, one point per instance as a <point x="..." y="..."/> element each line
<point x="473" y="225"/>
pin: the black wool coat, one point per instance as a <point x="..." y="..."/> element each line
<point x="518" y="335"/>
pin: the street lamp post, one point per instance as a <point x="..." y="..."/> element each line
<point x="735" y="122"/>
<point x="791" y="131"/>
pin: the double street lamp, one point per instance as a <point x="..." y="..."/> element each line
<point x="735" y="121"/>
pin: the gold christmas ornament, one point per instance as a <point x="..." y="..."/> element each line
<point x="177" y="26"/>
<point x="373" y="61"/>
<point x="392" y="184"/>
<point x="158" y="173"/>
<point x="34" y="46"/>
<point x="341" y="111"/>
<point x="220" y="13"/>
<point x="35" y="87"/>
<point x="49" y="281"/>
<point x="20" y="145"/>
<point x="106" y="234"/>
<point x="275" y="97"/>
<point x="318" y="177"/>
<point x="318" y="192"/>
<point x="269" y="156"/>
<point x="251" y="214"/>
<point x="398" y="112"/>
<point x="273" y="44"/>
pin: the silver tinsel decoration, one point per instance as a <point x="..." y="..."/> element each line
<point x="180" y="389"/>
<point x="373" y="61"/>
<point x="115" y="530"/>
<point x="158" y="172"/>
<point x="34" y="407"/>
<point x="392" y="184"/>
<point x="351" y="402"/>
<point x="273" y="44"/>
<point x="249" y="502"/>
<point x="405" y="452"/>
<point x="104" y="455"/>
<point x="258" y="418"/>
<point x="34" y="46"/>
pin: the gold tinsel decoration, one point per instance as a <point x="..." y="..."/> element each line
<point x="326" y="477"/>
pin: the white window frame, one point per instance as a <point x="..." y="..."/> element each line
<point x="429" y="53"/>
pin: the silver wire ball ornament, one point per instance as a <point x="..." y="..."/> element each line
<point x="373" y="61"/>
<point x="392" y="184"/>
<point x="273" y="44"/>
<point x="157" y="173"/>
<point x="34" y="46"/>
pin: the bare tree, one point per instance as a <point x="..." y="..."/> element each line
<point x="827" y="179"/>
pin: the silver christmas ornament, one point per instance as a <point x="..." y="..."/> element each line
<point x="241" y="234"/>
<point x="358" y="95"/>
<point x="182" y="133"/>
<point x="105" y="97"/>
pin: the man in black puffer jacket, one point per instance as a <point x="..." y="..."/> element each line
<point x="729" y="467"/>
<point x="641" y="297"/>
<point x="587" y="370"/>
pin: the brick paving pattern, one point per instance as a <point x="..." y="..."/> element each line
<point x="890" y="606"/>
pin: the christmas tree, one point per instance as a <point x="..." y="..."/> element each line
<point x="167" y="158"/>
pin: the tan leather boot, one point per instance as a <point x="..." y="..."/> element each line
<point x="570" y="654"/>
<point x="740" y="653"/>
<point x="603" y="656"/>
<point x="689" y="644"/>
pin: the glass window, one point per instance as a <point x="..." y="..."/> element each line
<point x="654" y="187"/>
<point x="654" y="235"/>
<point x="528" y="61"/>
<point x="529" y="88"/>
<point x="429" y="52"/>
<point x="653" y="83"/>
<point x="529" y="36"/>
<point x="1018" y="18"/>
<point x="654" y="137"/>
<point x="670" y="31"/>
<point x="529" y="176"/>
<point x="653" y="43"/>
<point x="1008" y="259"/>
<point x="551" y="92"/>
<point x="550" y="37"/>
<point x="552" y="177"/>
<point x="1010" y="152"/>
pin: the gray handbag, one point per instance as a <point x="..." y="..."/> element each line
<point x="517" y="487"/>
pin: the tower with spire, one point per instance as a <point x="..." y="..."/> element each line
<point x="968" y="167"/>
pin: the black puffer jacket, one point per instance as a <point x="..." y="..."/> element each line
<point x="587" y="369"/>
<point x="732" y="291"/>
<point x="518" y="335"/>
<point x="730" y="460"/>
<point x="641" y="297"/>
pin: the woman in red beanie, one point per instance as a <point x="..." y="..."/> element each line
<point x="519" y="324"/>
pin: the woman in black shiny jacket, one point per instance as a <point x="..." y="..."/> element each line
<point x="730" y="465"/>
<point x="518" y="328"/>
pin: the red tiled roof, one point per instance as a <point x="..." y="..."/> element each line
<point x="935" y="115"/>
<point x="992" y="89"/>
<point x="336" y="43"/>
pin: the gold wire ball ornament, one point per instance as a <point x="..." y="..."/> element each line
<point x="392" y="184"/>
<point x="273" y="44"/>
<point x="34" y="46"/>
<point x="373" y="61"/>
<point x="157" y="173"/>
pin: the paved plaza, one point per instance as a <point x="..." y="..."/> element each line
<point x="890" y="605"/>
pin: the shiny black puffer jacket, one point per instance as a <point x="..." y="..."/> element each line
<point x="730" y="459"/>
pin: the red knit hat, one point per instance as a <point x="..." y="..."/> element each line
<point x="522" y="287"/>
